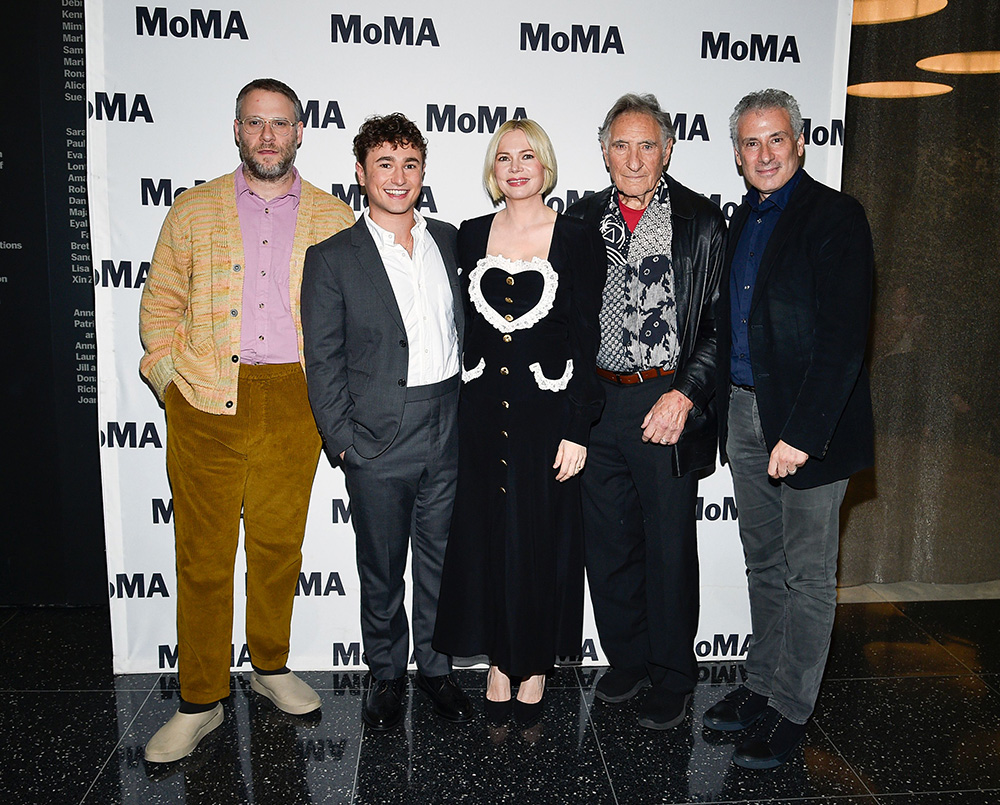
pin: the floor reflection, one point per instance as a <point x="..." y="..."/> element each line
<point x="909" y="713"/>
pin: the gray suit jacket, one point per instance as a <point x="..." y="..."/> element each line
<point x="356" y="349"/>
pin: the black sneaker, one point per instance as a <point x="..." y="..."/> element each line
<point x="621" y="684"/>
<point x="738" y="710"/>
<point x="662" y="709"/>
<point x="771" y="743"/>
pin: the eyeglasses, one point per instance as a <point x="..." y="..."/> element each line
<point x="255" y="125"/>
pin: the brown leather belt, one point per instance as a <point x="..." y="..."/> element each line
<point x="635" y="377"/>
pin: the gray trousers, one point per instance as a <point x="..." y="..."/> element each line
<point x="790" y="542"/>
<point x="405" y="496"/>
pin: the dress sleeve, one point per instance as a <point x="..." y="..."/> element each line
<point x="587" y="266"/>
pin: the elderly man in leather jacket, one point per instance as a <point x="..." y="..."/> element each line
<point x="657" y="360"/>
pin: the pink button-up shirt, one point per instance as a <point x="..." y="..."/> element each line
<point x="267" y="333"/>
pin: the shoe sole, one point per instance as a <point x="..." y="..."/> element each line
<point x="169" y="757"/>
<point x="624" y="697"/>
<point x="295" y="710"/>
<point x="666" y="725"/>
<point x="730" y="726"/>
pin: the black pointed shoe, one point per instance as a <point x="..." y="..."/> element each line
<point x="450" y="701"/>
<point x="383" y="705"/>
<point x="771" y="743"/>
<point x="738" y="710"/>
<point x="498" y="713"/>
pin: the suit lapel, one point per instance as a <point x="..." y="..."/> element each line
<point x="371" y="264"/>
<point x="451" y="267"/>
<point x="787" y="223"/>
<point x="736" y="225"/>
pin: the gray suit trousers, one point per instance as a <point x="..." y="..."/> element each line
<point x="400" y="498"/>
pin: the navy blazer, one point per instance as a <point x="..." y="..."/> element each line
<point x="808" y="328"/>
<point x="356" y="348"/>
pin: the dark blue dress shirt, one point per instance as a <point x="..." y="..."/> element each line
<point x="750" y="247"/>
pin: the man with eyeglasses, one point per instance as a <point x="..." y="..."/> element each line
<point x="221" y="327"/>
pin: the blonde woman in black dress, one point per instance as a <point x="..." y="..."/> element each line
<point x="512" y="585"/>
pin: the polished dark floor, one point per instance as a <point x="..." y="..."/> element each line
<point x="909" y="713"/>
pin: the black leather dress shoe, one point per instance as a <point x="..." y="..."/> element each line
<point x="621" y="684"/>
<point x="738" y="710"/>
<point x="450" y="701"/>
<point x="383" y="705"/>
<point x="771" y="743"/>
<point x="662" y="709"/>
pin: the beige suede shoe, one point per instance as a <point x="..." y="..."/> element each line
<point x="181" y="734"/>
<point x="287" y="691"/>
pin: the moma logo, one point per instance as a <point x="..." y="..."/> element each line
<point x="167" y="656"/>
<point x="823" y="135"/>
<point x="728" y="208"/>
<point x="484" y="119"/>
<point x="352" y="196"/>
<point x="719" y="673"/>
<point x="196" y="23"/>
<point x="121" y="275"/>
<point x="697" y="130"/>
<point x="715" y="511"/>
<point x="560" y="203"/>
<point x="127" y="434"/>
<point x="161" y="192"/>
<point x="347" y="654"/>
<point x="314" y="584"/>
<point x="331" y="115"/>
<point x="391" y="31"/>
<point x="761" y="47"/>
<point x="723" y="646"/>
<point x="341" y="507"/>
<point x="138" y="585"/>
<point x="163" y="510"/>
<point x="119" y="107"/>
<point x="579" y="39"/>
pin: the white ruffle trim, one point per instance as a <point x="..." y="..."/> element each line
<point x="513" y="267"/>
<point x="545" y="384"/>
<point x="474" y="372"/>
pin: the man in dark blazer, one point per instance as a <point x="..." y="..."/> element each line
<point x="795" y="417"/>
<point x="382" y="320"/>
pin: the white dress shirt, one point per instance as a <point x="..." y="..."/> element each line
<point x="423" y="295"/>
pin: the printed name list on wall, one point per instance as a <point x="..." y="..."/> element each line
<point x="161" y="86"/>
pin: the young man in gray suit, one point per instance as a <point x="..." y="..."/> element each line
<point x="382" y="321"/>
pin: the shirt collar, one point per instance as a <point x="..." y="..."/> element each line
<point x="779" y="198"/>
<point x="660" y="194"/>
<point x="387" y="238"/>
<point x="295" y="191"/>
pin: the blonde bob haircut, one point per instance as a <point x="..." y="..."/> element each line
<point x="540" y="144"/>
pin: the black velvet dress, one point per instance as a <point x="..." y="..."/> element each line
<point x="512" y="584"/>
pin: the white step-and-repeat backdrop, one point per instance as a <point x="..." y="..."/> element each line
<point x="161" y="83"/>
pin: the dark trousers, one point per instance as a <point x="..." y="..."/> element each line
<point x="641" y="544"/>
<point x="400" y="498"/>
<point x="790" y="541"/>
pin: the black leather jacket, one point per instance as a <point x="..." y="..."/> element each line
<point x="697" y="252"/>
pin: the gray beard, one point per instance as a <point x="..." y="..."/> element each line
<point x="263" y="173"/>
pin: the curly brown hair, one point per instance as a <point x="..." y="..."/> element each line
<point x="395" y="128"/>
